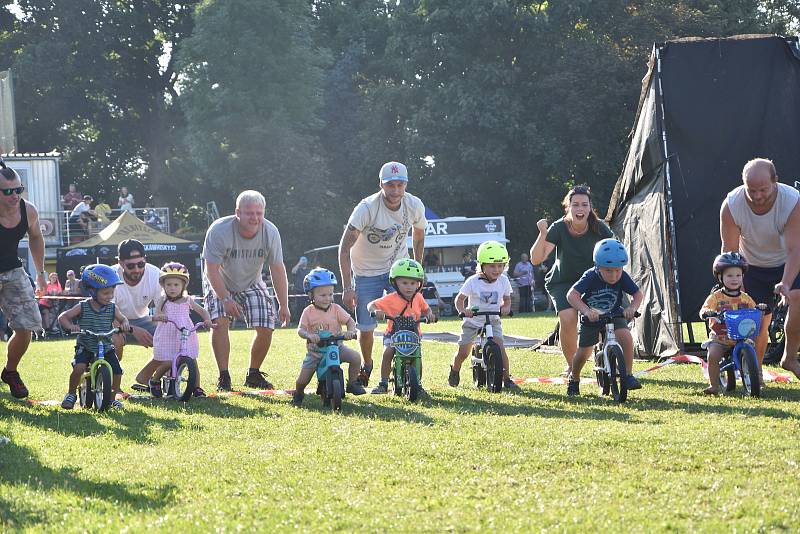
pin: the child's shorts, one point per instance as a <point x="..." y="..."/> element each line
<point x="589" y="334"/>
<point x="82" y="355"/>
<point x="312" y="359"/>
<point x="469" y="332"/>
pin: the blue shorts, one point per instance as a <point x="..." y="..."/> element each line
<point x="369" y="288"/>
<point x="759" y="283"/>
<point x="82" y="355"/>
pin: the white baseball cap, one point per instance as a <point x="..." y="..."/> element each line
<point x="393" y="171"/>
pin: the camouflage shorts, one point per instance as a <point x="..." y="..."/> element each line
<point x="18" y="301"/>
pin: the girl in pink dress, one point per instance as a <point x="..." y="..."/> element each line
<point x="174" y="305"/>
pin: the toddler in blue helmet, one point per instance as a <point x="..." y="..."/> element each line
<point x="97" y="314"/>
<point x="600" y="291"/>
<point x="324" y="315"/>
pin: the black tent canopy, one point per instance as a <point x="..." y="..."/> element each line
<point x="707" y="107"/>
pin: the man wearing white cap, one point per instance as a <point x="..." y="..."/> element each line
<point x="375" y="238"/>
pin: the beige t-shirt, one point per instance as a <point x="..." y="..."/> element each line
<point x="761" y="236"/>
<point x="383" y="233"/>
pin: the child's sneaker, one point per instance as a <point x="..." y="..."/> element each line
<point x="422" y="394"/>
<point x="632" y="383"/>
<point x="364" y="374"/>
<point x="573" y="387"/>
<point x="355" y="388"/>
<point x="69" y="401"/>
<point x="453" y="378"/>
<point x="199" y="392"/>
<point x="297" y="399"/>
<point x="155" y="388"/>
<point x="382" y="387"/>
<point x="115" y="404"/>
<point x="510" y="385"/>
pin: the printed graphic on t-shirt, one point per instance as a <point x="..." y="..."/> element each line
<point x="489" y="297"/>
<point x="245" y="253"/>
<point x="603" y="299"/>
<point x="393" y="233"/>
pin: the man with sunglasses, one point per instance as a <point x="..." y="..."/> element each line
<point x="17" y="299"/>
<point x="140" y="288"/>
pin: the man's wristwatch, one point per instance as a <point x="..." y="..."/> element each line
<point x="351" y="288"/>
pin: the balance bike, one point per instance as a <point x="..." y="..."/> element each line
<point x="487" y="357"/>
<point x="95" y="388"/>
<point x="181" y="379"/>
<point x="609" y="359"/>
<point x="743" y="326"/>
<point x="330" y="379"/>
<point x="407" y="361"/>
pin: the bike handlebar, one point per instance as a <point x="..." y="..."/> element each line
<point x="388" y="317"/>
<point x="100" y="334"/>
<point x="323" y="341"/>
<point x="721" y="313"/>
<point x="195" y="327"/>
<point x="476" y="313"/>
<point x="610" y="316"/>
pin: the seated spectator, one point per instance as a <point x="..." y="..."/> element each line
<point x="469" y="266"/>
<point x="431" y="259"/>
<point x="82" y="214"/>
<point x="72" y="198"/>
<point x="49" y="308"/>
<point x="72" y="286"/>
<point x="152" y="220"/>
<point x="125" y="201"/>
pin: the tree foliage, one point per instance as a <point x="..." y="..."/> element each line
<point x="496" y="106"/>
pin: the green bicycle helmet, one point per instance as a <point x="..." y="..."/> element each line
<point x="492" y="252"/>
<point x="406" y="268"/>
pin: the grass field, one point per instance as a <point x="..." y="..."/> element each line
<point x="670" y="459"/>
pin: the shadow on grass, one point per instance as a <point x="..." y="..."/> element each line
<point x="137" y="425"/>
<point x="400" y="410"/>
<point x="471" y="405"/>
<point x="20" y="467"/>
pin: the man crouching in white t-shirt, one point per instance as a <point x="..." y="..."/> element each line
<point x="133" y="299"/>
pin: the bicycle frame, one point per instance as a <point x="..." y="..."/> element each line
<point x="184" y="339"/>
<point x="406" y="344"/>
<point x="100" y="359"/>
<point x="485" y="334"/>
<point x="329" y="347"/>
<point x="610" y="339"/>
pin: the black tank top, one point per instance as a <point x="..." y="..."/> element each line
<point x="9" y="241"/>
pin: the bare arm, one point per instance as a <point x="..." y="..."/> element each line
<point x="460" y="303"/>
<point x="791" y="234"/>
<point x="541" y="248"/>
<point x="36" y="245"/>
<point x="280" y="282"/>
<point x="349" y="238"/>
<point x="67" y="318"/>
<point x="574" y="299"/>
<point x="218" y="285"/>
<point x="729" y="232"/>
<point x="505" y="309"/>
<point x="124" y="325"/>
<point x="199" y="310"/>
<point x="418" y="242"/>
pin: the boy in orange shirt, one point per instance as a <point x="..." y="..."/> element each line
<point x="324" y="315"/>
<point x="406" y="276"/>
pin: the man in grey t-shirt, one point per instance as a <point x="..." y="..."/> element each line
<point x="235" y="251"/>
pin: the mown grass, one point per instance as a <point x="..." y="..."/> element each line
<point x="669" y="459"/>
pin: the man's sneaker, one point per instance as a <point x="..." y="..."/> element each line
<point x="199" y="392"/>
<point x="632" y="383"/>
<point x="382" y="387"/>
<point x="453" y="378"/>
<point x="258" y="380"/>
<point x="355" y="388"/>
<point x="69" y="401"/>
<point x="155" y="388"/>
<point x="510" y="385"/>
<point x="297" y="398"/>
<point x="364" y="374"/>
<point x="136" y="386"/>
<point x="573" y="387"/>
<point x="15" y="384"/>
<point x="224" y="382"/>
<point x="422" y="394"/>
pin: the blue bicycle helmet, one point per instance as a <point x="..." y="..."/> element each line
<point x="99" y="276"/>
<point x="610" y="253"/>
<point x="318" y="277"/>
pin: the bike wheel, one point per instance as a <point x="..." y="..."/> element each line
<point x="478" y="372"/>
<point x="185" y="379"/>
<point x="494" y="367"/>
<point x="103" y="394"/>
<point x="411" y="382"/>
<point x="337" y="392"/>
<point x="327" y="389"/>
<point x="751" y="373"/>
<point x="602" y="378"/>
<point x="85" y="394"/>
<point x="619" y="390"/>
<point x="727" y="377"/>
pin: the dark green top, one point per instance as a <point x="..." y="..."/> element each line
<point x="573" y="254"/>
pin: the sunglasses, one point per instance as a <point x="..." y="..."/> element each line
<point x="11" y="190"/>
<point x="137" y="265"/>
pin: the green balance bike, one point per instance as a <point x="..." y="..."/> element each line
<point x="95" y="388"/>
<point x="407" y="361"/>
